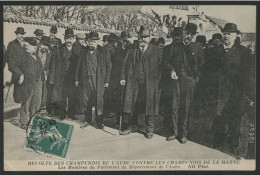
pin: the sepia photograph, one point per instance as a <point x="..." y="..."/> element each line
<point x="134" y="87"/>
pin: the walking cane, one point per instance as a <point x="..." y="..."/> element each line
<point x="121" y="109"/>
<point x="9" y="84"/>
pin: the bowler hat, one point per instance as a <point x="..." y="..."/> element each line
<point x="45" y="40"/>
<point x="125" y="35"/>
<point x="105" y="38"/>
<point x="54" y="29"/>
<point x="113" y="37"/>
<point x="144" y="32"/>
<point x="69" y="33"/>
<point x="80" y="36"/>
<point x="20" y="30"/>
<point x="177" y="32"/>
<point x="217" y="36"/>
<point x="38" y="32"/>
<point x="201" y="38"/>
<point x="191" y="28"/>
<point x="93" y="36"/>
<point x="231" y="28"/>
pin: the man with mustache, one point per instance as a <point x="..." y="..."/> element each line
<point x="183" y="61"/>
<point x="233" y="82"/>
<point x="92" y="77"/>
<point x="140" y="73"/>
<point x="117" y="59"/>
<point x="60" y="88"/>
<point x="111" y="46"/>
<point x="43" y="53"/>
<point x="38" y="35"/>
<point x="14" y="50"/>
<point x="70" y="90"/>
<point x="27" y="66"/>
<point x="54" y="45"/>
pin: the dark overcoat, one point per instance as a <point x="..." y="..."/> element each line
<point x="32" y="70"/>
<point x="152" y="77"/>
<point x="61" y="68"/>
<point x="233" y="78"/>
<point x="102" y="75"/>
<point x="70" y="76"/>
<point x="193" y="59"/>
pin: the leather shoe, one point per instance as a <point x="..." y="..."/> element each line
<point x="125" y="132"/>
<point x="149" y="135"/>
<point x="130" y="129"/>
<point x="100" y="125"/>
<point x="171" y="138"/>
<point x="83" y="125"/>
<point x="23" y="126"/>
<point x="183" y="140"/>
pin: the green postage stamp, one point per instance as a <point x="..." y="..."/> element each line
<point x="49" y="136"/>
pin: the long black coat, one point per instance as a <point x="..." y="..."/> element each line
<point x="54" y="46"/>
<point x="70" y="76"/>
<point x="14" y="50"/>
<point x="152" y="77"/>
<point x="32" y="70"/>
<point x="61" y="67"/>
<point x="234" y="77"/>
<point x="102" y="75"/>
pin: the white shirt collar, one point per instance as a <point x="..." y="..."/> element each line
<point x="227" y="47"/>
<point x="69" y="48"/>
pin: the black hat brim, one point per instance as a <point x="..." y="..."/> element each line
<point x="20" y="33"/>
<point x="37" y="34"/>
<point x="230" y="31"/>
<point x="144" y="36"/>
<point x="69" y="35"/>
<point x="94" y="38"/>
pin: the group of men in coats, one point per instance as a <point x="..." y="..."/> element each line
<point x="144" y="74"/>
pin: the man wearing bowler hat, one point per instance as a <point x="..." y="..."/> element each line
<point x="61" y="88"/>
<point x="15" y="46"/>
<point x="92" y="77"/>
<point x="13" y="52"/>
<point x="111" y="46"/>
<point x="233" y="80"/>
<point x="73" y="91"/>
<point x="43" y="53"/>
<point x="117" y="61"/>
<point x="201" y="40"/>
<point x="183" y="65"/>
<point x="105" y="40"/>
<point x="140" y="73"/>
<point x="28" y="70"/>
<point x="54" y="45"/>
<point x="38" y="33"/>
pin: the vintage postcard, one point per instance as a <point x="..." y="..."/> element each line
<point x="129" y="87"/>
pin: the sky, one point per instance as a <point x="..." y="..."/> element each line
<point x="242" y="15"/>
